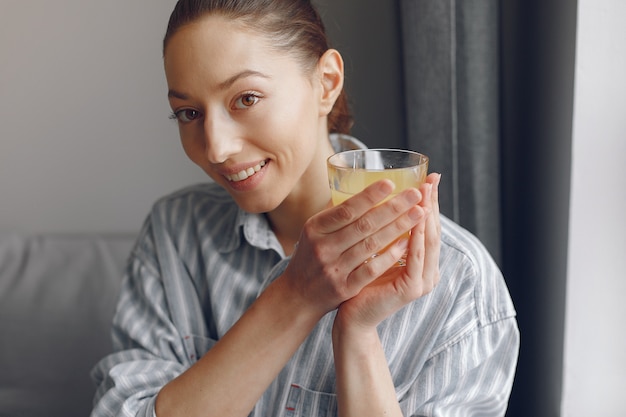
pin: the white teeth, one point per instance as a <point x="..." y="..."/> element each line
<point x="246" y="173"/>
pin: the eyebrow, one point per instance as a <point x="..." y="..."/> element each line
<point x="243" y="74"/>
<point x="224" y="84"/>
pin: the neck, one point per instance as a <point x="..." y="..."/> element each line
<point x="288" y="220"/>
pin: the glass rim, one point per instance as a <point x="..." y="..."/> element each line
<point x="423" y="159"/>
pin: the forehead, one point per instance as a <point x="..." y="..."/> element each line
<point x="217" y="47"/>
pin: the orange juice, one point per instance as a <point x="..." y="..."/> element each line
<point x="355" y="181"/>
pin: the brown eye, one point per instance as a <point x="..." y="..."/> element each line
<point x="186" y="115"/>
<point x="246" y="100"/>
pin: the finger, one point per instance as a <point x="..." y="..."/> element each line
<point x="375" y="266"/>
<point x="435" y="180"/>
<point x="378" y="228"/>
<point x="353" y="208"/>
<point x="432" y="236"/>
<point x="417" y="249"/>
<point x="382" y="240"/>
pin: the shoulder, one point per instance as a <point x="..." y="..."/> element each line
<point x="461" y="244"/>
<point x="466" y="265"/>
<point x="194" y="195"/>
<point x="185" y="218"/>
<point x="206" y="201"/>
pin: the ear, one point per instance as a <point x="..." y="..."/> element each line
<point x="330" y="71"/>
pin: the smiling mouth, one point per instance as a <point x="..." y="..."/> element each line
<point x="246" y="173"/>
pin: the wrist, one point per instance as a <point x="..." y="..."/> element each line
<point x="283" y="294"/>
<point x="347" y="332"/>
<point x="364" y="383"/>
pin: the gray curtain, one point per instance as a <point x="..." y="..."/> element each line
<point x="485" y="88"/>
<point x="489" y="96"/>
<point x="452" y="110"/>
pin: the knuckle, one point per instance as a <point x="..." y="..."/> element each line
<point x="373" y="198"/>
<point x="364" y="225"/>
<point x="370" y="269"/>
<point x="433" y="240"/>
<point x="344" y="213"/>
<point x="312" y="230"/>
<point x="370" y="244"/>
<point x="318" y="253"/>
<point x="420" y="253"/>
<point x="405" y="223"/>
<point x="308" y="230"/>
<point x="397" y="206"/>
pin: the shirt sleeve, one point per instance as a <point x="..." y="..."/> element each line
<point x="148" y="349"/>
<point x="472" y="377"/>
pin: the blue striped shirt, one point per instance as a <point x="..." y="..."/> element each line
<point x="200" y="262"/>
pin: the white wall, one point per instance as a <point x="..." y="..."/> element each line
<point x="595" y="343"/>
<point x="85" y="139"/>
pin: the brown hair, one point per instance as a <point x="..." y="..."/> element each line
<point x="293" y="25"/>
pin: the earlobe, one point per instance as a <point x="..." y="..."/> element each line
<point x="330" y="68"/>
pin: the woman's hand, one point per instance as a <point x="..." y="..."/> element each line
<point x="333" y="261"/>
<point x="399" y="286"/>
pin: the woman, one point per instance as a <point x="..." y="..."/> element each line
<point x="251" y="295"/>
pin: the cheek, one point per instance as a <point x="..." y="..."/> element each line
<point x="296" y="120"/>
<point x="297" y="103"/>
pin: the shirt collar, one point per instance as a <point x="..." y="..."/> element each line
<point x="255" y="228"/>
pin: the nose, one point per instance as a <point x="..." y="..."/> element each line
<point x="220" y="138"/>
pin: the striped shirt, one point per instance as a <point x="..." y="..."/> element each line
<point x="200" y="262"/>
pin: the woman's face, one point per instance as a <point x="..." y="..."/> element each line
<point x="248" y="115"/>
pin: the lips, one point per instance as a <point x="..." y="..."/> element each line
<point x="245" y="173"/>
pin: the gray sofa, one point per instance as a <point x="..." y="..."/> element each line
<point x="57" y="298"/>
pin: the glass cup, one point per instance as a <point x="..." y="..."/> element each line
<point x="349" y="172"/>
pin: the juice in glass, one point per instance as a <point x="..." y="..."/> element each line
<point x="349" y="172"/>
